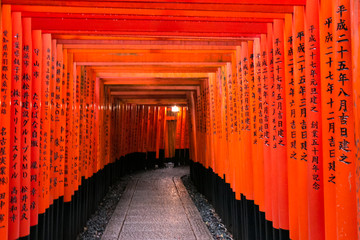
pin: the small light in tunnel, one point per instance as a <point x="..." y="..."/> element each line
<point x="175" y="109"/>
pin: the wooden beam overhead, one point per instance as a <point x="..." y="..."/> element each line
<point x="144" y="14"/>
<point x="151" y="96"/>
<point x="100" y="44"/>
<point x="157" y="88"/>
<point x="147" y="93"/>
<point x="153" y="82"/>
<point x="151" y="57"/>
<point x="250" y="6"/>
<point x="159" y="76"/>
<point x="155" y="69"/>
<point x="64" y="25"/>
<point x="161" y="102"/>
<point x="150" y="40"/>
<point x="165" y="64"/>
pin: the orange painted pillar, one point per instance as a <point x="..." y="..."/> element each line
<point x="213" y="93"/>
<point x="163" y="125"/>
<point x="94" y="120"/>
<point x="344" y="122"/>
<point x="230" y="125"/>
<point x="150" y="112"/>
<point x="241" y="178"/>
<point x="158" y="131"/>
<point x="313" y="107"/>
<point x="68" y="101"/>
<point x="248" y="171"/>
<point x="224" y="115"/>
<point x="271" y="168"/>
<point x="280" y="111"/>
<point x="267" y="62"/>
<point x="199" y="127"/>
<point x="178" y="127"/>
<point x="203" y="113"/>
<point x="97" y="105"/>
<point x="141" y="130"/>
<point x="219" y="132"/>
<point x="115" y="121"/>
<point x="134" y="129"/>
<point x="52" y="121"/>
<point x="137" y="130"/>
<point x="87" y="135"/>
<point x="258" y="112"/>
<point x="45" y="127"/>
<point x="209" y="139"/>
<point x="212" y="117"/>
<point x="4" y="137"/>
<point x="82" y="157"/>
<point x="193" y="149"/>
<point x="37" y="55"/>
<point x="60" y="125"/>
<point x="234" y="101"/>
<point x="202" y="129"/>
<point x="101" y="97"/>
<point x="92" y="125"/>
<point x="66" y="121"/>
<point x="301" y="122"/>
<point x="273" y="130"/>
<point x="187" y="129"/>
<point x="77" y="122"/>
<point x="183" y="122"/>
<point x="26" y="128"/>
<point x="153" y="130"/>
<point x="15" y="139"/>
<point x="166" y="139"/>
<point x="130" y="127"/>
<point x="124" y="126"/>
<point x="73" y="136"/>
<point x="356" y="77"/>
<point x="292" y="153"/>
<point x="83" y="143"/>
<point x="121" y="123"/>
<point x="253" y="122"/>
<point x="254" y="109"/>
<point x="328" y="118"/>
<point x="5" y="123"/>
<point x="88" y="147"/>
<point x="248" y="91"/>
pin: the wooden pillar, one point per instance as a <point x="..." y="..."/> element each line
<point x="15" y="139"/>
<point x="344" y="122"/>
<point x="5" y="123"/>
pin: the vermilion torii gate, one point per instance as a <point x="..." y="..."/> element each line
<point x="268" y="92"/>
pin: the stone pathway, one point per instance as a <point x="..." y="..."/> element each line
<point x="156" y="205"/>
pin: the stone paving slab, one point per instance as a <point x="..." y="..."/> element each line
<point x="156" y="205"/>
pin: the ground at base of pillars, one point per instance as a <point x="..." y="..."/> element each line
<point x="96" y="225"/>
<point x="212" y="220"/>
<point x="156" y="205"/>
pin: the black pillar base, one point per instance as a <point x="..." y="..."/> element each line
<point x="242" y="217"/>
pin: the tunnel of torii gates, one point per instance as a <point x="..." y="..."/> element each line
<point x="268" y="96"/>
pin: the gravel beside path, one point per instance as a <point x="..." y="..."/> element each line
<point x="207" y="211"/>
<point x="96" y="225"/>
